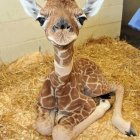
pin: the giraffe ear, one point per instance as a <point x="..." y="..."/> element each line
<point x="31" y="8"/>
<point x="92" y="7"/>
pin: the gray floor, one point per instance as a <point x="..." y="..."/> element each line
<point x="132" y="36"/>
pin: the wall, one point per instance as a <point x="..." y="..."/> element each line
<point x="130" y="7"/>
<point x="20" y="35"/>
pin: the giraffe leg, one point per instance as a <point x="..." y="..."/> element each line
<point x="61" y="132"/>
<point x="45" y="122"/>
<point x="98" y="113"/>
<point x="117" y="120"/>
<point x="67" y="132"/>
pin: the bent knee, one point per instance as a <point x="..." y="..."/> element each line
<point x="44" y="127"/>
<point x="117" y="87"/>
<point x="61" y="133"/>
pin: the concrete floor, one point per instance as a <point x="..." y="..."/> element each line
<point x="132" y="36"/>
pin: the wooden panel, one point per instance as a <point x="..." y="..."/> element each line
<point x="19" y="34"/>
<point x="24" y="30"/>
<point x="106" y="15"/>
<point x="11" y="52"/>
<point x="11" y="10"/>
<point x="113" y="2"/>
<point x="19" y="31"/>
<point x="106" y="2"/>
<point x="112" y="30"/>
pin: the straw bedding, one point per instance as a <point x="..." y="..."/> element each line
<point x="21" y="81"/>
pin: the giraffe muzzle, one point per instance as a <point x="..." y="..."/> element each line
<point x="62" y="24"/>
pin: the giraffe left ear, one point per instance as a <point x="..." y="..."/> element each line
<point x="31" y="8"/>
<point x="92" y="7"/>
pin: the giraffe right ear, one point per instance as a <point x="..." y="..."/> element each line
<point x="31" y="8"/>
<point x="92" y="7"/>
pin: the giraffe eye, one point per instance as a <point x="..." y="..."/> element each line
<point x="81" y="19"/>
<point x="41" y="20"/>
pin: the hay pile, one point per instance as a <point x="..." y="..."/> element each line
<point x="21" y="81"/>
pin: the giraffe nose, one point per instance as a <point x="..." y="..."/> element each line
<point x="61" y="25"/>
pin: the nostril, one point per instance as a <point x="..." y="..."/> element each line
<point x="68" y="27"/>
<point x="62" y="27"/>
<point x="54" y="28"/>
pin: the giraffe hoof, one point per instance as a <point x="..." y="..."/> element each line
<point x="124" y="126"/>
<point x="132" y="131"/>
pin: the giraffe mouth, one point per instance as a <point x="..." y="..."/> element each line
<point x="62" y="39"/>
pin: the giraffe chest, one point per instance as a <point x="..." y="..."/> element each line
<point x="66" y="95"/>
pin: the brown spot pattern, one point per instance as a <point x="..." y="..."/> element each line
<point x="86" y="77"/>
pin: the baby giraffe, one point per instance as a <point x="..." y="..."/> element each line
<point x="72" y="95"/>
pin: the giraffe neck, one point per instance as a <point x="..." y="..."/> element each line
<point x="63" y="61"/>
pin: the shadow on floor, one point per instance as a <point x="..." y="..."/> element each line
<point x="132" y="36"/>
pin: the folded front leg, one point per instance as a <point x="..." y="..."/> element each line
<point x="66" y="131"/>
<point x="62" y="132"/>
<point x="45" y="122"/>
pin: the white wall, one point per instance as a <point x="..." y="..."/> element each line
<point x="20" y="35"/>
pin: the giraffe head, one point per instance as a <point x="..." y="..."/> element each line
<point x="61" y="19"/>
